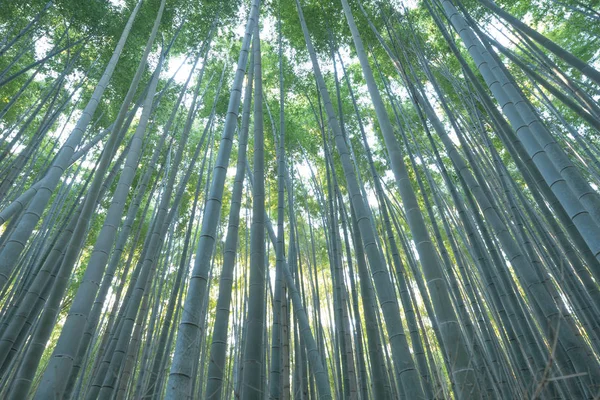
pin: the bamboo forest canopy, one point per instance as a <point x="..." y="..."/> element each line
<point x="355" y="199"/>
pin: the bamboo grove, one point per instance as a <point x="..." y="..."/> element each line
<point x="347" y="199"/>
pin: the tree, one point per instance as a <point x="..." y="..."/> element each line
<point x="415" y="212"/>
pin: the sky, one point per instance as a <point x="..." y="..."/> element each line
<point x="183" y="67"/>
